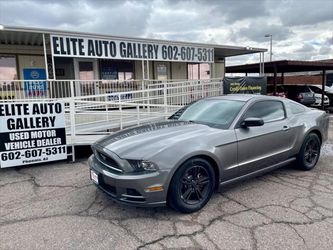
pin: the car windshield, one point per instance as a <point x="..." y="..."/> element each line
<point x="213" y="112"/>
<point x="315" y="89"/>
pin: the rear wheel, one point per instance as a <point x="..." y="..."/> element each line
<point x="192" y="186"/>
<point x="310" y="151"/>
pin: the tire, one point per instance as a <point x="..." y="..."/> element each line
<point x="309" y="153"/>
<point x="191" y="186"/>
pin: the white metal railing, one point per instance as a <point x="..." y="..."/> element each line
<point x="97" y="107"/>
<point x="111" y="119"/>
<point x="106" y="106"/>
<point x="194" y="89"/>
<point x="43" y="89"/>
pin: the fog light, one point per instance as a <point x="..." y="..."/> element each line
<point x="154" y="189"/>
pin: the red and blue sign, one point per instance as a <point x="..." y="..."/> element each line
<point x="36" y="86"/>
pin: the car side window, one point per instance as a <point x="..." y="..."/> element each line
<point x="296" y="108"/>
<point x="316" y="90"/>
<point x="267" y="110"/>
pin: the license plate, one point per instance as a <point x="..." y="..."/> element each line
<point x="94" y="176"/>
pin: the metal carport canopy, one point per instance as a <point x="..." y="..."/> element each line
<point x="283" y="66"/>
<point x="14" y="35"/>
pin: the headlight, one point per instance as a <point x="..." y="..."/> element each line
<point x="139" y="165"/>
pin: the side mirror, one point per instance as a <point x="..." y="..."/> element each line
<point x="252" y="122"/>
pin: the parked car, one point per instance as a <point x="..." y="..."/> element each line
<point x="301" y="94"/>
<point x="210" y="143"/>
<point x="280" y="91"/>
<point x="328" y="93"/>
<point x="318" y="96"/>
<point x="328" y="88"/>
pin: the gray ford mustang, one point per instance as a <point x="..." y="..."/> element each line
<point x="209" y="143"/>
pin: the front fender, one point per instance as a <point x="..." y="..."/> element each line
<point x="182" y="160"/>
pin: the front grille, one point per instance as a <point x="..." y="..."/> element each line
<point x="108" y="161"/>
<point x="111" y="190"/>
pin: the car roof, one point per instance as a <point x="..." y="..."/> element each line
<point x="245" y="97"/>
<point x="313" y="85"/>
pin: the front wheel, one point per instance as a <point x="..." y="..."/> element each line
<point x="192" y="186"/>
<point x="309" y="153"/>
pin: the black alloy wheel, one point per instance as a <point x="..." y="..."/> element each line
<point x="310" y="152"/>
<point x="191" y="186"/>
<point x="195" y="185"/>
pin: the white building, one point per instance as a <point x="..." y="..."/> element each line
<point x="31" y="53"/>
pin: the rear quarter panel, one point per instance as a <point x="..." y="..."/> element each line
<point x="306" y="122"/>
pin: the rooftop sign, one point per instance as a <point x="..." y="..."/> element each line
<point x="69" y="46"/>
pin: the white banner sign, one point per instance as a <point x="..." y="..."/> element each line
<point x="32" y="133"/>
<point x="66" y="46"/>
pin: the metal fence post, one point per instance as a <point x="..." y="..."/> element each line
<point x="221" y="87"/>
<point x="51" y="88"/>
<point x="202" y="89"/>
<point x="107" y="111"/>
<point x="72" y="118"/>
<point x="121" y="112"/>
<point x="138" y="114"/>
<point x="143" y="85"/>
<point x="148" y="97"/>
<point x="143" y="94"/>
<point x="165" y="98"/>
<point x="71" y="83"/>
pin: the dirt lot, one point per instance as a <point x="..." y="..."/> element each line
<point x="55" y="206"/>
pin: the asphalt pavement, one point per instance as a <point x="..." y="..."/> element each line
<point x="55" y="206"/>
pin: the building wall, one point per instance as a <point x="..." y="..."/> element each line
<point x="218" y="70"/>
<point x="297" y="79"/>
<point x="138" y="70"/>
<point x="28" y="61"/>
<point x="168" y="71"/>
<point x="27" y="56"/>
<point x="33" y="57"/>
<point x="175" y="70"/>
<point x="21" y="49"/>
<point x="179" y="70"/>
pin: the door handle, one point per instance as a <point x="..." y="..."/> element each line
<point x="285" y="128"/>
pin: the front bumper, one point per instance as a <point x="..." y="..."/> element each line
<point x="318" y="103"/>
<point x="131" y="189"/>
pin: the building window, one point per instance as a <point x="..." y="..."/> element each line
<point x="116" y="70"/>
<point x="8" y="73"/>
<point x="162" y="73"/>
<point x="86" y="70"/>
<point x="8" y="69"/>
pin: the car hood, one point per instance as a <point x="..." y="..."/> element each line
<point x="142" y="142"/>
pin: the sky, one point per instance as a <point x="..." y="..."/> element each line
<point x="300" y="29"/>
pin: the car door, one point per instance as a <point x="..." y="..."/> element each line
<point x="262" y="146"/>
